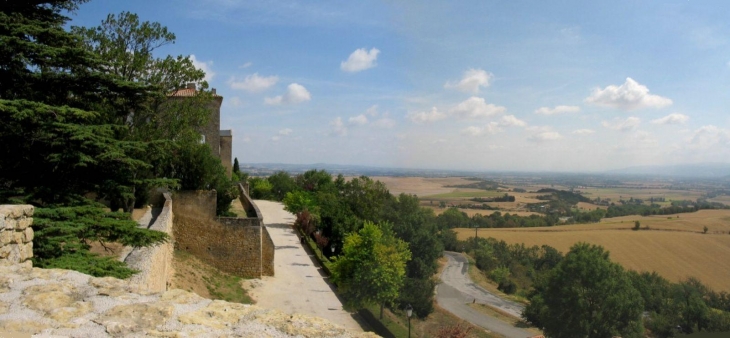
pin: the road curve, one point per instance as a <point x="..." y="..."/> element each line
<point x="457" y="290"/>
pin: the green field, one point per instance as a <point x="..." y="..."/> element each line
<point x="464" y="195"/>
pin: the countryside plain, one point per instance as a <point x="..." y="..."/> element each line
<point x="675" y="246"/>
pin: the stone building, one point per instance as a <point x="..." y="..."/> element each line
<point x="220" y="141"/>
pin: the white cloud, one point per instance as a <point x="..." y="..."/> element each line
<point x="433" y="115"/>
<point x="245" y="65"/>
<point x="275" y="138"/>
<point x="628" y="96"/>
<point x="471" y="81"/>
<point x="583" y="131"/>
<point x="205" y="66"/>
<point x="472" y="130"/>
<point x="491" y="128"/>
<point x="359" y="120"/>
<point x="546" y="136"/>
<point x="254" y="83"/>
<point x="285" y="131"/>
<point x="385" y="123"/>
<point x="675" y="118"/>
<point x="619" y="124"/>
<point x="295" y="93"/>
<point x="360" y="60"/>
<point x="512" y="121"/>
<point x="557" y="110"/>
<point x="337" y="128"/>
<point x="475" y="107"/>
<point x="709" y="136"/>
<point x="372" y="111"/>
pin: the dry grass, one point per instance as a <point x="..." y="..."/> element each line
<point x="675" y="255"/>
<point x="420" y="186"/>
<point x="192" y="274"/>
<point x="615" y="193"/>
<point x="589" y="206"/>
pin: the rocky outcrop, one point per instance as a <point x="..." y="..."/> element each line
<point x="63" y="303"/>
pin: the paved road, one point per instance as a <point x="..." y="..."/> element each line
<point x="457" y="289"/>
<point x="298" y="286"/>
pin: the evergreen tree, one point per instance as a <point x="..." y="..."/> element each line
<point x="59" y="141"/>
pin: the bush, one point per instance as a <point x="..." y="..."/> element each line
<point x="507" y="286"/>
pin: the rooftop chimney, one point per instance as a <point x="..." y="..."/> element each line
<point x="191" y="85"/>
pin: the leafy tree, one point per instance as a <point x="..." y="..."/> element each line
<point x="298" y="201"/>
<point x="127" y="45"/>
<point x="587" y="295"/>
<point x="371" y="267"/>
<point x="281" y="185"/>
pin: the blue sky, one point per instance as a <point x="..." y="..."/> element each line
<point x="475" y="85"/>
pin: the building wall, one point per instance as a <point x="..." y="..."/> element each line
<point x="212" y="130"/>
<point x="226" y="144"/>
<point x="16" y="234"/>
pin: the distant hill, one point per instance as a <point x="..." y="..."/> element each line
<point x="700" y="170"/>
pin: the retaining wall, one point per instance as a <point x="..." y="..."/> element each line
<point x="155" y="263"/>
<point x="16" y="234"/>
<point x="240" y="246"/>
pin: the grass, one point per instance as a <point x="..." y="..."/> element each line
<point x="196" y="276"/>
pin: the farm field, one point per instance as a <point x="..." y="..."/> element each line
<point x="616" y="193"/>
<point x="420" y="186"/>
<point x="472" y="212"/>
<point x="676" y="248"/>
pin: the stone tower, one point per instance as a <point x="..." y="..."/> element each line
<point x="220" y="141"/>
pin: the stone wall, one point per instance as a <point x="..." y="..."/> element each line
<point x="16" y="234"/>
<point x="240" y="246"/>
<point x="226" y="150"/>
<point x="155" y="263"/>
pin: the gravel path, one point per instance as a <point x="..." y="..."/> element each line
<point x="298" y="286"/>
<point x="457" y="290"/>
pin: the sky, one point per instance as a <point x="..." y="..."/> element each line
<point x="567" y="86"/>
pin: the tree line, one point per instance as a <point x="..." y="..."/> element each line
<point x="88" y="129"/>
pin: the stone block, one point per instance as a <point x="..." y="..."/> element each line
<point x="5" y="251"/>
<point x="6" y="237"/>
<point x="10" y="224"/>
<point x="25" y="251"/>
<point x="16" y="211"/>
<point x="28" y="235"/>
<point x="24" y="223"/>
<point x="17" y="237"/>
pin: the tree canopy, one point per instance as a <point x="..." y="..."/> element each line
<point x="372" y="266"/>
<point x="587" y="295"/>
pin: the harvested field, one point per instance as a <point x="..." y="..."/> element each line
<point x="616" y="193"/>
<point x="420" y="186"/>
<point x="676" y="249"/>
<point x="472" y="212"/>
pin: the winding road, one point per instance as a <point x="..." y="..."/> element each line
<point x="457" y="290"/>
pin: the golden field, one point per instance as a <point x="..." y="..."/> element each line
<point x="675" y="248"/>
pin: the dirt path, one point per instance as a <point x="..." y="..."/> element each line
<point x="298" y="286"/>
<point x="457" y="290"/>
